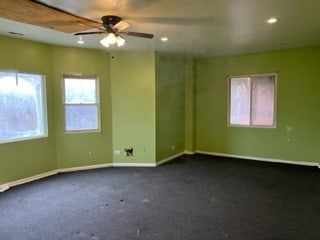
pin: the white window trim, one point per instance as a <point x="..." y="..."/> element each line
<point x="275" y="75"/>
<point x="44" y="109"/>
<point x="81" y="76"/>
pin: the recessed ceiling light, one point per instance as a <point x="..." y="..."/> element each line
<point x="80" y="40"/>
<point x="272" y="20"/>
<point x="164" y="39"/>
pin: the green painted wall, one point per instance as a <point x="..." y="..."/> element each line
<point x="81" y="149"/>
<point x="170" y="105"/>
<point x="297" y="135"/>
<point x="190" y="77"/>
<point x="153" y="102"/>
<point x="27" y="158"/>
<point x="133" y="105"/>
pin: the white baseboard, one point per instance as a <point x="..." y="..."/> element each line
<point x="312" y="164"/>
<point x="8" y="185"/>
<point x="74" y="169"/>
<point x="4" y="187"/>
<point x="134" y="165"/>
<point x="170" y="158"/>
<point x="189" y="153"/>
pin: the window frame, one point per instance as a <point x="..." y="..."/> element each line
<point x="250" y="125"/>
<point x="43" y="102"/>
<point x="79" y="77"/>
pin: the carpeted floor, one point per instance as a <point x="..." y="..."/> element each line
<point x="193" y="197"/>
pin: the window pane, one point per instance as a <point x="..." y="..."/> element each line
<point x="81" y="103"/>
<point x="80" y="90"/>
<point x="240" y="101"/>
<point x="21" y="106"/>
<point x="81" y="117"/>
<point x="263" y="100"/>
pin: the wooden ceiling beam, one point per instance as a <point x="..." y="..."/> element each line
<point x="39" y="14"/>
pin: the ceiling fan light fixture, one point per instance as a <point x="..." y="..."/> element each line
<point x="111" y="39"/>
<point x="104" y="42"/>
<point x="120" y="41"/>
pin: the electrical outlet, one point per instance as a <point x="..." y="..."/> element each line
<point x="117" y="152"/>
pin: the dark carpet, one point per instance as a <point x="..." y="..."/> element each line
<point x="192" y="197"/>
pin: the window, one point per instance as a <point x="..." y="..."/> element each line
<point x="22" y="106"/>
<point x="81" y="103"/>
<point x="252" y="100"/>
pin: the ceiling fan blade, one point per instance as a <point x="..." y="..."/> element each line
<point x="88" y="33"/>
<point x="137" y="34"/>
<point x="122" y="25"/>
<point x="40" y="3"/>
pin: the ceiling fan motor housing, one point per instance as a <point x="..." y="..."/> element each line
<point x="110" y="20"/>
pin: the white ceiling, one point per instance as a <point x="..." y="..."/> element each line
<point x="198" y="27"/>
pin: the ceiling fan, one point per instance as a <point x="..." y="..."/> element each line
<point x="114" y="26"/>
